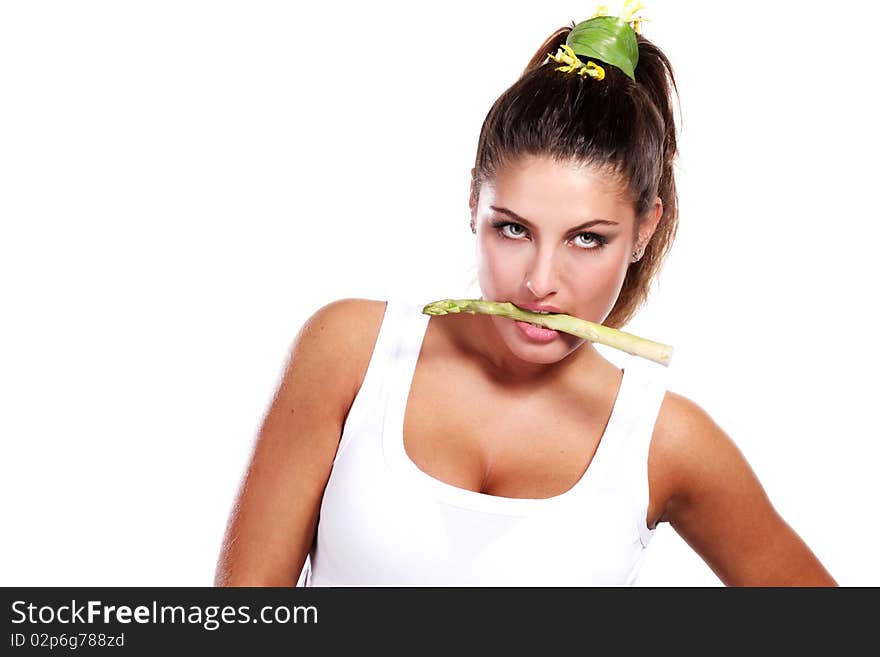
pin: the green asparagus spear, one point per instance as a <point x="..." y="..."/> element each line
<point x="631" y="344"/>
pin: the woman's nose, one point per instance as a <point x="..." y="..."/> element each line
<point x="542" y="280"/>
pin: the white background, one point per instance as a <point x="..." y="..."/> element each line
<point x="183" y="183"/>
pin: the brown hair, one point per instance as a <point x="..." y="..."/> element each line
<point x="618" y="125"/>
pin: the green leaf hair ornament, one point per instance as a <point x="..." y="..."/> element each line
<point x="608" y="39"/>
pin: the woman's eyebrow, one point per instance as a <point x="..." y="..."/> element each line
<point x="587" y="224"/>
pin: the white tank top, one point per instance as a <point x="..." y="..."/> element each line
<point x="385" y="522"/>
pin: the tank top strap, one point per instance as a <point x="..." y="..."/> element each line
<point x="650" y="389"/>
<point x="367" y="412"/>
<point x="410" y="324"/>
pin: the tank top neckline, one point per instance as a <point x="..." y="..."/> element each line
<point x="400" y="465"/>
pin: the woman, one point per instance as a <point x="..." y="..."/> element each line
<point x="402" y="449"/>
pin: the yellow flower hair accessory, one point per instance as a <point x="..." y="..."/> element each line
<point x="609" y="39"/>
<point x="565" y="55"/>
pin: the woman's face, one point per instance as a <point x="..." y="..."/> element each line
<point x="553" y="234"/>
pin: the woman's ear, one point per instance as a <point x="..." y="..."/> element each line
<point x="646" y="230"/>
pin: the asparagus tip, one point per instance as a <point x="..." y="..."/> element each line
<point x="441" y="307"/>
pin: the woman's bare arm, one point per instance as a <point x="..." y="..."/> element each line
<point x="718" y="506"/>
<point x="273" y="520"/>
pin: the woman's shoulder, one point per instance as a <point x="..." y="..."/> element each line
<point x="347" y="330"/>
<point x="688" y="450"/>
<point x="350" y="310"/>
<point x="349" y="324"/>
<point x="678" y="417"/>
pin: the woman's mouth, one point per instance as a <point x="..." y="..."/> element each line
<point x="536" y="333"/>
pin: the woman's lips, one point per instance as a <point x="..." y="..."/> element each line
<point x="536" y="333"/>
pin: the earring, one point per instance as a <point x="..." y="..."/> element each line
<point x="473" y="228"/>
<point x="637" y="254"/>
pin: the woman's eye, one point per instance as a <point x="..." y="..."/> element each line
<point x="515" y="234"/>
<point x="597" y="241"/>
